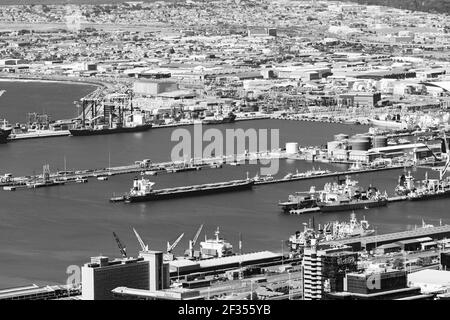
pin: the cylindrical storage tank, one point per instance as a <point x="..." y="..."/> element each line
<point x="340" y="137"/>
<point x="380" y="141"/>
<point x="291" y="147"/>
<point x="360" y="144"/>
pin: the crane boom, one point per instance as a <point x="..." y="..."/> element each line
<point x="172" y="246"/>
<point x="194" y="241"/>
<point x="144" y="246"/>
<point x="447" y="163"/>
<point x="122" y="248"/>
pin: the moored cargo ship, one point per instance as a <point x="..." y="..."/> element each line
<point x="143" y="190"/>
<point x="349" y="196"/>
<point x="352" y="204"/>
<point x="107" y="130"/>
<point x="219" y="119"/>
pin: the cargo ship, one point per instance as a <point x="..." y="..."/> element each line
<point x="143" y="190"/>
<point x="300" y="200"/>
<point x="115" y="118"/>
<point x="427" y="189"/>
<point x="341" y="196"/>
<point x="351" y="198"/>
<point x="330" y="231"/>
<point x="219" y="119"/>
<point x="98" y="130"/>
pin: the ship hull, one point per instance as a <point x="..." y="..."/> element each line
<point x="187" y="193"/>
<point x="288" y="206"/>
<point x="4" y="134"/>
<point x="431" y="196"/>
<point x="352" y="206"/>
<point x="228" y="119"/>
<point x="388" y="124"/>
<point x="93" y="132"/>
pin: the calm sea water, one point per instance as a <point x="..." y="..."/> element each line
<point x="45" y="230"/>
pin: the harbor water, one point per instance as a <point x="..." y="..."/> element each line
<point x="43" y="231"/>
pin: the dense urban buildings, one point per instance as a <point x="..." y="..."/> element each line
<point x="360" y="89"/>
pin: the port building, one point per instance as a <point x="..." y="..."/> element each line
<point x="182" y="267"/>
<point x="403" y="237"/>
<point x="101" y="276"/>
<point x="324" y="270"/>
<point x="35" y="292"/>
<point x="381" y="284"/>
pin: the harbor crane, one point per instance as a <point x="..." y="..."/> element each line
<point x="122" y="248"/>
<point x="190" y="251"/>
<point x="144" y="246"/>
<point x="194" y="241"/>
<point x="447" y="162"/>
<point x="172" y="246"/>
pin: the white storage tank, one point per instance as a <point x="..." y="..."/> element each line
<point x="291" y="147"/>
<point x="360" y="143"/>
<point x="380" y="141"/>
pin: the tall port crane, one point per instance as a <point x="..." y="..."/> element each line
<point x="447" y="162"/>
<point x="144" y="246"/>
<point x="122" y="248"/>
<point x="172" y="246"/>
<point x="194" y="241"/>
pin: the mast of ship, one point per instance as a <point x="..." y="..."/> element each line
<point x="109" y="162"/>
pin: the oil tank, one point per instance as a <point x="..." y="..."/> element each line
<point x="360" y="143"/>
<point x="380" y="141"/>
<point x="291" y="147"/>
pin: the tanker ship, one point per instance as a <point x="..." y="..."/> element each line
<point x="143" y="190"/>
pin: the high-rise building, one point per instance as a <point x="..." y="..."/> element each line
<point x="101" y="276"/>
<point x="325" y="269"/>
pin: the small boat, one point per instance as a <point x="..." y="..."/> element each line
<point x="102" y="178"/>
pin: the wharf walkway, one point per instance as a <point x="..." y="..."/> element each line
<point x="370" y="242"/>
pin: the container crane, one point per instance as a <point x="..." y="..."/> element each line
<point x="144" y="246"/>
<point x="193" y="242"/>
<point x="172" y="246"/>
<point x="122" y="248"/>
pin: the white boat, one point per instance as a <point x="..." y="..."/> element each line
<point x="389" y="124"/>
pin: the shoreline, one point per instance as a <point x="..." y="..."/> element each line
<point x="98" y="84"/>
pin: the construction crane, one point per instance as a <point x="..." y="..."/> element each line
<point x="122" y="248"/>
<point x="194" y="241"/>
<point x="144" y="246"/>
<point x="172" y="246"/>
